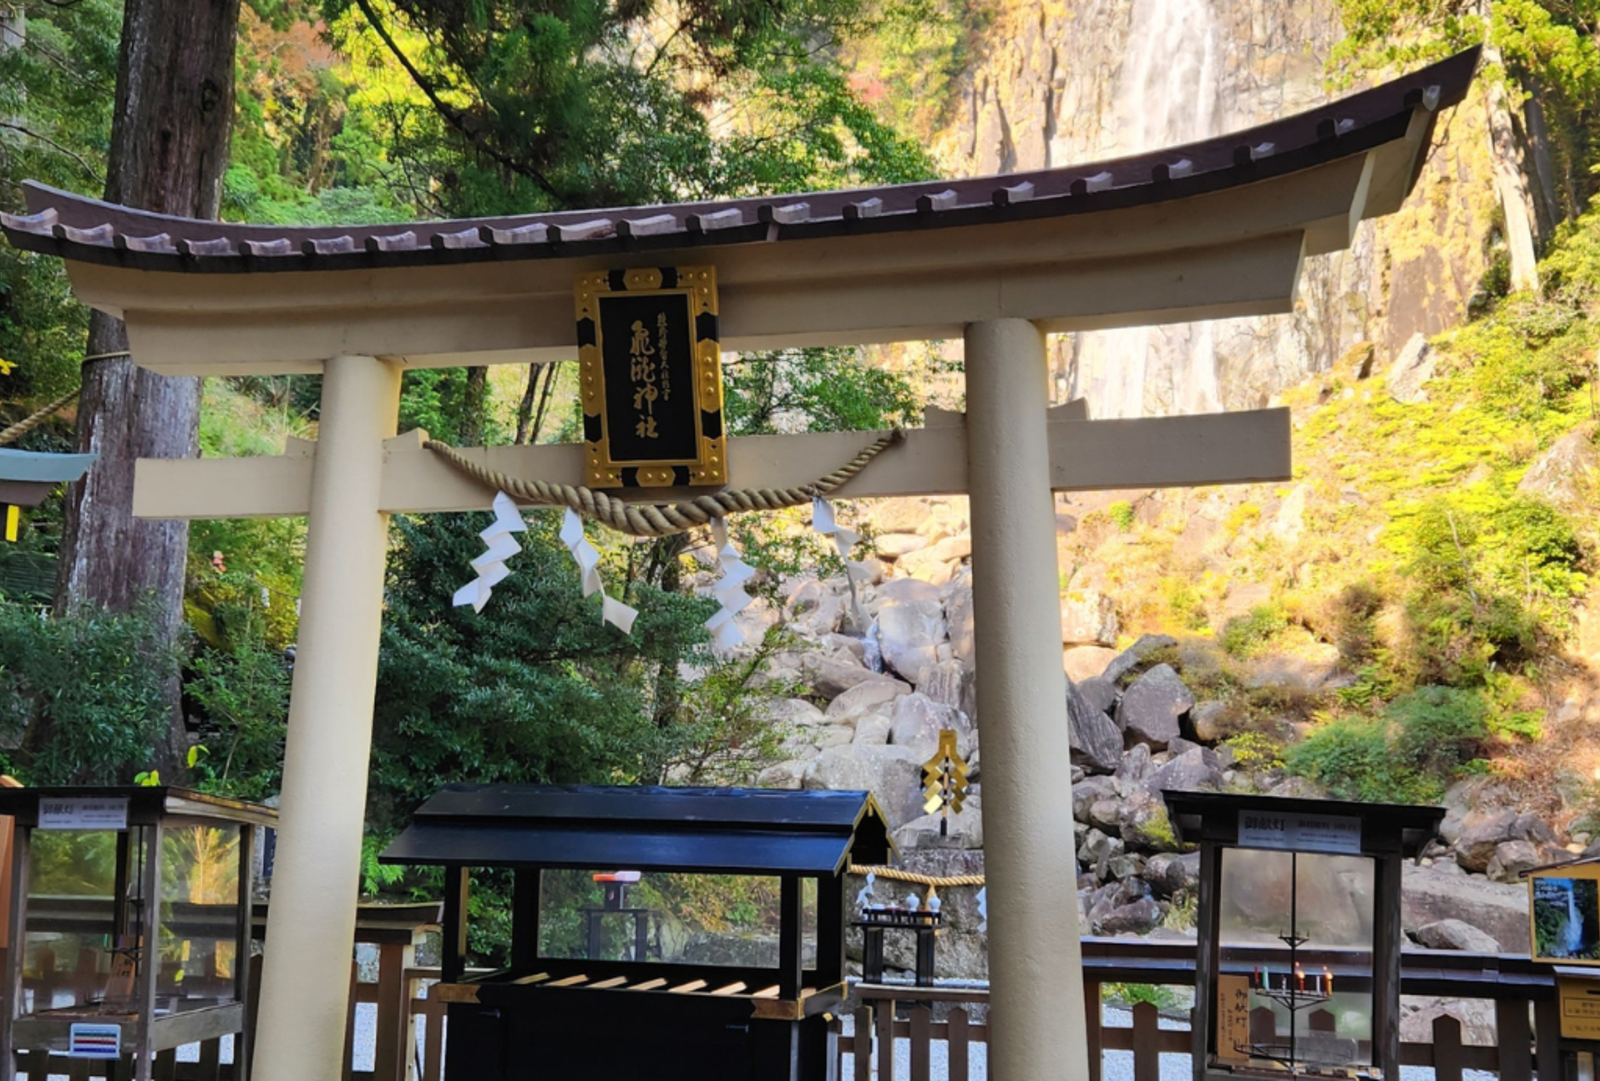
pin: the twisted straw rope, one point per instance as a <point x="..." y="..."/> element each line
<point x="644" y="520"/>
<point x="28" y="424"/>
<point x="938" y="882"/>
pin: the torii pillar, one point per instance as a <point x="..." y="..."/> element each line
<point x="1036" y="1021"/>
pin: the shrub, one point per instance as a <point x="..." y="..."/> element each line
<point x="1121" y="513"/>
<point x="1249" y="635"/>
<point x="1349" y="756"/>
<point x="1255" y="751"/>
<point x="1438" y="730"/>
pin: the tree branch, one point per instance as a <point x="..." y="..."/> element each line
<point x="450" y="113"/>
<point x="68" y="151"/>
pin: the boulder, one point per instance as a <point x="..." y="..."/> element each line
<point x="900" y="590"/>
<point x="1100" y="694"/>
<point x="865" y="572"/>
<point x="899" y="514"/>
<point x="1136" y="766"/>
<point x="1483" y="832"/>
<point x="1195" y="770"/>
<point x="830" y="675"/>
<point x="1566" y="472"/>
<point x="1095" y="739"/>
<point x="1456" y="935"/>
<point x="958" y="620"/>
<point x="892" y="774"/>
<point x="927" y="566"/>
<point x="1429" y="895"/>
<point x="793" y="711"/>
<point x="916" y="721"/>
<point x="1129" y="658"/>
<point x="1106" y="814"/>
<point x="1089" y="791"/>
<point x="1084" y="662"/>
<point x="1151" y="707"/>
<point x="1512" y="858"/>
<point x="1088" y="618"/>
<point x="872" y="730"/>
<point x="1290" y="521"/>
<point x="1411" y="371"/>
<point x="895" y="545"/>
<point x="783" y="775"/>
<point x="909" y="633"/>
<point x="945" y="682"/>
<point x="1211" y="721"/>
<point x="816" y="607"/>
<point x="1169" y="872"/>
<point x="1097" y="851"/>
<point x="964" y="830"/>
<point x="1138" y="918"/>
<point x="1127" y="865"/>
<point x="866" y="698"/>
<point x="1143" y="823"/>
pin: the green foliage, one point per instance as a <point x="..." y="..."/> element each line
<point x="1424" y="739"/>
<point x="84" y="692"/>
<point x="815" y="390"/>
<point x="1133" y="994"/>
<point x="1255" y="752"/>
<point x="1121" y="515"/>
<point x="1437" y="730"/>
<point x="1250" y="635"/>
<point x="243" y="693"/>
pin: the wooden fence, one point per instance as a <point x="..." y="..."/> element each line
<point x="409" y="1025"/>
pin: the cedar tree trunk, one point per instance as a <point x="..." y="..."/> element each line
<point x="169" y="150"/>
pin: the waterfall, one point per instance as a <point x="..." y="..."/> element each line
<point x="1167" y="92"/>
<point x="1574" y="923"/>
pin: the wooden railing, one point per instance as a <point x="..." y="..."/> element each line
<point x="885" y="1014"/>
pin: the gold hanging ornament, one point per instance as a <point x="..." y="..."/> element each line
<point x="944" y="781"/>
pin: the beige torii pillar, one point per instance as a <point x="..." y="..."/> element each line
<point x="1036" y="1024"/>
<point x="305" y="984"/>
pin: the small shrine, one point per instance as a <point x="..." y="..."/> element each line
<point x="1297" y="970"/>
<point x="593" y="987"/>
<point x="130" y="927"/>
<point x="27" y="477"/>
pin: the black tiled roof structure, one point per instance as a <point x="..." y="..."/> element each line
<point x="60" y="223"/>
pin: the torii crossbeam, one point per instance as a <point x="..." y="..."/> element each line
<point x="1212" y="229"/>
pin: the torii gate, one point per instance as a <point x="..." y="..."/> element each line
<point x="1213" y="229"/>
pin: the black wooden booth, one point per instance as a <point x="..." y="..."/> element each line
<point x="1298" y="961"/>
<point x="633" y="1018"/>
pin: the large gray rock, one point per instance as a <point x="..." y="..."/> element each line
<point x="1089" y="791"/>
<point x="1193" y="771"/>
<point x="792" y="711"/>
<point x="892" y="774"/>
<point x="1151" y="707"/>
<point x="964" y="830"/>
<point x="783" y="775"/>
<point x="1095" y="738"/>
<point x="1481" y="834"/>
<point x="1100" y="694"/>
<point x="872" y="697"/>
<point x="1136" y="766"/>
<point x="1144" y="823"/>
<point x="1088" y="618"/>
<point x="1138" y="918"/>
<point x="1169" y="872"/>
<point x="945" y="682"/>
<point x="1512" y="859"/>
<point x="832" y="675"/>
<point x="909" y="633"/>
<point x="1456" y="935"/>
<point x="872" y="730"/>
<point x="1411" y="370"/>
<point x="1211" y="721"/>
<point x="1097" y="851"/>
<point x="1129" y="658"/>
<point x="901" y="590"/>
<point x="1429" y="895"/>
<point x="916" y="721"/>
<point x="816" y="607"/>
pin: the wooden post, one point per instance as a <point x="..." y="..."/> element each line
<point x="306" y="980"/>
<point x="13" y="971"/>
<point x="453" y="943"/>
<point x="241" y="952"/>
<point x="1386" y="937"/>
<point x="830" y="929"/>
<point x="1447" y="1057"/>
<point x="1205" y="962"/>
<point x="1037" y="1028"/>
<point x="527" y="884"/>
<point x="394" y="1011"/>
<point x="789" y="964"/>
<point x="1514" y="1038"/>
<point x="149" y="949"/>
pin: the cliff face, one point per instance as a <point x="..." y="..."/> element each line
<point x="1076" y="80"/>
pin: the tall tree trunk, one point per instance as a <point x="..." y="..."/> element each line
<point x="475" y="407"/>
<point x="1510" y="177"/>
<point x="169" y="150"/>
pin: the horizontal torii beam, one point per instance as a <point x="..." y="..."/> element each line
<point x="1085" y="455"/>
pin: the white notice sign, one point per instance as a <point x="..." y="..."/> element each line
<point x="1302" y="832"/>
<point x="86" y="1040"/>
<point x="83" y="814"/>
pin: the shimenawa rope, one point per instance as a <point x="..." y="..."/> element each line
<point x="645" y="520"/>
<point x="934" y="881"/>
<point x="28" y="424"/>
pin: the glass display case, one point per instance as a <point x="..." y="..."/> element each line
<point x="131" y="925"/>
<point x="1298" y="961"/>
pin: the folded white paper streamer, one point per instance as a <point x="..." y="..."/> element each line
<point x="729" y="590"/>
<point x="612" y="611"/>
<point x="500" y="546"/>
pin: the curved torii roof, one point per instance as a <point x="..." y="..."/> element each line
<point x="1214" y="228"/>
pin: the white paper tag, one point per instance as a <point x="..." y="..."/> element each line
<point x="618" y="614"/>
<point x="82" y="813"/>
